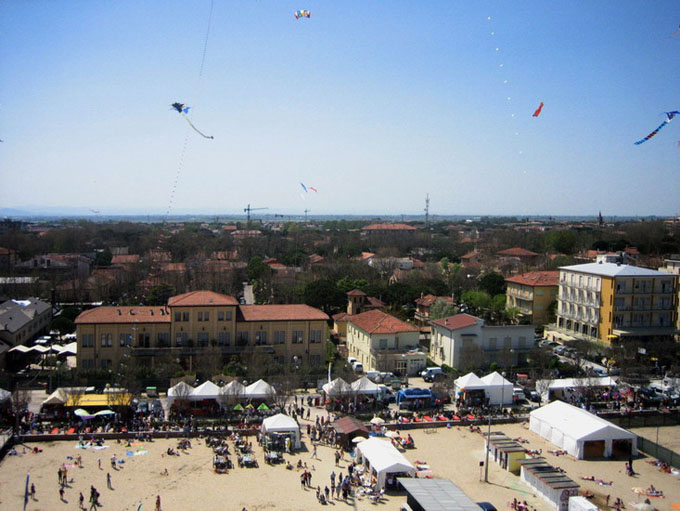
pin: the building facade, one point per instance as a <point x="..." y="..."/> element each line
<point x="384" y="343"/>
<point x="21" y="321"/>
<point x="464" y="341"/>
<point x="607" y="302"/>
<point x="532" y="293"/>
<point x="199" y="322"/>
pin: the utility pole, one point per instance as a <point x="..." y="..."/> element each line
<point x="427" y="211"/>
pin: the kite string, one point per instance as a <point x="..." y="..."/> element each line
<point x="180" y="165"/>
<point x="207" y="34"/>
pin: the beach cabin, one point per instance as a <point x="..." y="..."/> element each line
<point x="551" y="484"/>
<point x="435" y="495"/>
<point x="506" y="452"/>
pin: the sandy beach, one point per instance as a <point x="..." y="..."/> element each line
<point x="192" y="485"/>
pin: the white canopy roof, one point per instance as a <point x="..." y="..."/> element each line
<point x="498" y="390"/>
<point x="384" y="458"/>
<point x="565" y="383"/>
<point x="180" y="390"/>
<point x="281" y="423"/>
<point x="495" y="379"/>
<point x="365" y="386"/>
<point x="58" y="397"/>
<point x="206" y="390"/>
<point x="337" y="387"/>
<point x="470" y="382"/>
<point x="233" y="388"/>
<point x="21" y="348"/>
<point x="68" y="349"/>
<point x="570" y="427"/>
<point x="260" y="390"/>
<point x="4" y="395"/>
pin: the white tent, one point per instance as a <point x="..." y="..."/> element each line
<point x="260" y="390"/>
<point x="281" y="423"/>
<point x="58" y="397"/>
<point x="580" y="433"/>
<point x="563" y="388"/>
<point x="383" y="459"/>
<point x="232" y="392"/>
<point x="180" y="391"/>
<point x="337" y="388"/>
<point x="498" y="390"/>
<point x="365" y="386"/>
<point x="5" y="395"/>
<point x="206" y="390"/>
<point x="470" y="382"/>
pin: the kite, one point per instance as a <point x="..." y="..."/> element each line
<point x="314" y="189"/>
<point x="184" y="110"/>
<point x="669" y="118"/>
<point x="95" y="211"/>
<point x="303" y="187"/>
<point x="676" y="32"/>
<point x="538" y="110"/>
<point x="302" y="14"/>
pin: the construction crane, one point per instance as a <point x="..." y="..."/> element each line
<point x="248" y="210"/>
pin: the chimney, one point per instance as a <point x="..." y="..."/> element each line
<point x="119" y="313"/>
<point x="152" y="312"/>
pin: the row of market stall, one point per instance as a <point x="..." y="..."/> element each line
<point x="492" y="389"/>
<point x="229" y="395"/>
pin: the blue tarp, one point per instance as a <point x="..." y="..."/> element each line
<point x="415" y="393"/>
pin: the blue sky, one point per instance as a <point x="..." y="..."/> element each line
<point x="374" y="103"/>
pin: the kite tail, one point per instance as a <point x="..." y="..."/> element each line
<point x="197" y="130"/>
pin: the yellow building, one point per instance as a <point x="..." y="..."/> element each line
<point x="532" y="293"/>
<point x="196" y="322"/>
<point x="604" y="302"/>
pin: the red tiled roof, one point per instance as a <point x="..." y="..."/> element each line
<point x="356" y="292"/>
<point x="201" y="298"/>
<point x="470" y="255"/>
<point x="295" y="312"/>
<point x="536" y="278"/>
<point x="125" y="259"/>
<point x="517" y="252"/>
<point x="417" y="263"/>
<point x="377" y="322"/>
<point x="375" y="302"/>
<point x="230" y="227"/>
<point x="340" y="316"/>
<point x="389" y="227"/>
<point x="124" y="315"/>
<point x="428" y="300"/>
<point x="174" y="267"/>
<point x="456" y="322"/>
<point x="366" y="255"/>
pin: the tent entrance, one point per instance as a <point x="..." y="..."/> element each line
<point x="622" y="448"/>
<point x="593" y="449"/>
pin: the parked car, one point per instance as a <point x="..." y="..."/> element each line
<point x="387" y="395"/>
<point x="432" y="373"/>
<point x="358" y="367"/>
<point x="374" y="376"/>
<point x="385" y="378"/>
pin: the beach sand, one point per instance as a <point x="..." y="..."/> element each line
<point x="192" y="485"/>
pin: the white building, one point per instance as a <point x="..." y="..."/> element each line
<point x="463" y="340"/>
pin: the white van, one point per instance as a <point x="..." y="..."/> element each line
<point x="358" y="367"/>
<point x="431" y="373"/>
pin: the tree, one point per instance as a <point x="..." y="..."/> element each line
<point x="498" y="302"/>
<point x="477" y="299"/>
<point x="63" y="325"/>
<point x="257" y="269"/>
<point x="492" y="283"/>
<point x="159" y="295"/>
<point x="563" y="242"/>
<point x="442" y="309"/>
<point x="324" y="295"/>
<point x="103" y="258"/>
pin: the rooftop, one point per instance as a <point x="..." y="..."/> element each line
<point x="536" y="278"/>
<point x="389" y="227"/>
<point x="377" y="322"/>
<point x="614" y="270"/>
<point x="517" y="252"/>
<point x="294" y="312"/>
<point x="144" y="314"/>
<point x="201" y="299"/>
<point x="456" y="322"/>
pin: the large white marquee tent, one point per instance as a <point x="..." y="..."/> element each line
<point x="498" y="389"/>
<point x="383" y="459"/>
<point x="580" y="433"/>
<point x="281" y="423"/>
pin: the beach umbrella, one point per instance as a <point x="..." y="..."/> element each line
<point x="250" y="406"/>
<point x="377" y="421"/>
<point x="105" y="412"/>
<point x="263" y="406"/>
<point x="238" y="407"/>
<point x="80" y="412"/>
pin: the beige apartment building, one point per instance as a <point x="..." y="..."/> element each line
<point x="195" y="322"/>
<point x="532" y="293"/>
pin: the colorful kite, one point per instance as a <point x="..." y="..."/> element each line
<point x="676" y="32"/>
<point x="538" y="110"/>
<point x="184" y="110"/>
<point x="303" y="187"/>
<point x="302" y="14"/>
<point x="669" y="118"/>
<point x="314" y="189"/>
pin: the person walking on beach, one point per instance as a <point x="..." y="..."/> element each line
<point x="33" y="491"/>
<point x="81" y="501"/>
<point x="158" y="503"/>
<point x="61" y="493"/>
<point x="314" y="453"/>
<point x="108" y="481"/>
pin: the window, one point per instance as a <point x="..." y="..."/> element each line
<point x="279" y="337"/>
<point x="105" y="363"/>
<point x="224" y="339"/>
<point x="200" y="315"/>
<point x="144" y="340"/>
<point x="88" y="363"/>
<point x="88" y="340"/>
<point x="181" y="339"/>
<point x="228" y="315"/>
<point x="185" y="316"/>
<point x="125" y="340"/>
<point x="220" y="315"/>
<point x="279" y="360"/>
<point x="298" y="336"/>
<point x="522" y="342"/>
<point x="315" y="360"/>
<point x="382" y="344"/>
<point x="178" y="316"/>
<point x="206" y="316"/>
<point x="163" y="339"/>
<point x="107" y="340"/>
<point x="507" y="343"/>
<point x="242" y="338"/>
<point x="493" y="344"/>
<point x="315" y="336"/>
<point x="261" y="338"/>
<point x="202" y="338"/>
